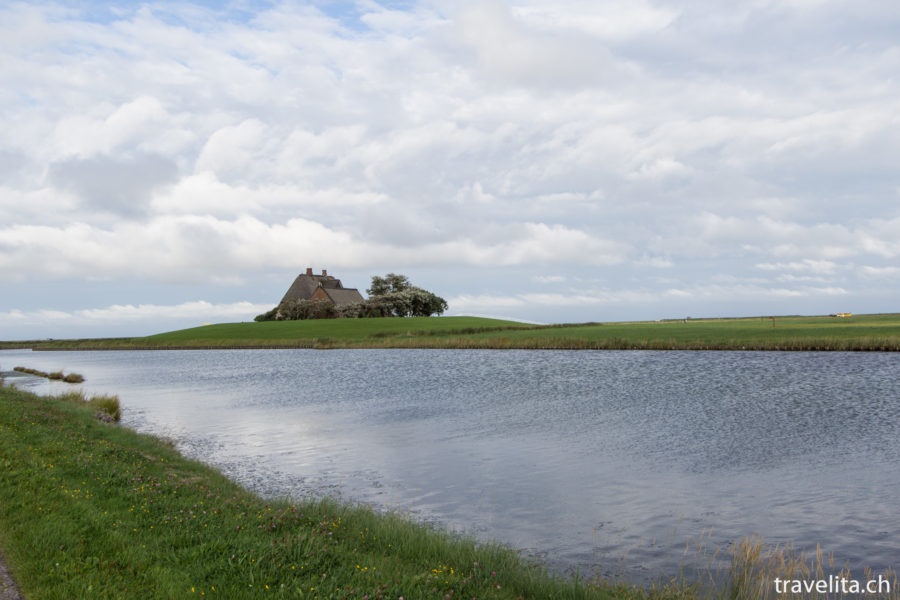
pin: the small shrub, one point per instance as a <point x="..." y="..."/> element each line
<point x="73" y="378"/>
<point x="266" y="316"/>
<point x="56" y="375"/>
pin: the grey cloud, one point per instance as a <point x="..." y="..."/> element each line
<point x="120" y="186"/>
<point x="10" y="165"/>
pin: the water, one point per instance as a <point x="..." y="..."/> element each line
<point x="602" y="461"/>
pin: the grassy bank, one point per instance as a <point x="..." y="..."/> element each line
<point x="90" y="509"/>
<point x="856" y="333"/>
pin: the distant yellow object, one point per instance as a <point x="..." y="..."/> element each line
<point x="207" y="323"/>
<point x="845" y="314"/>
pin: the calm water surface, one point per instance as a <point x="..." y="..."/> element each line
<point x="576" y="457"/>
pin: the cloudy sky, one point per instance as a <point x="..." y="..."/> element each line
<point x="165" y="164"/>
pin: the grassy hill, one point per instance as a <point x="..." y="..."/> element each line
<point x="859" y="332"/>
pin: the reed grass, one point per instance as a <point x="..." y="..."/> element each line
<point x="106" y="406"/>
<point x="756" y="566"/>
<point x="55" y="375"/>
<point x="748" y="569"/>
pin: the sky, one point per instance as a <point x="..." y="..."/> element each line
<point x="169" y="164"/>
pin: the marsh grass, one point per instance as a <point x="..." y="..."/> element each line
<point x="107" y="406"/>
<point x="55" y="375"/>
<point x="748" y="568"/>
<point x="31" y="371"/>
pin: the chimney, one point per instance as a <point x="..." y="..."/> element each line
<point x="309" y="270"/>
<point x="324" y="273"/>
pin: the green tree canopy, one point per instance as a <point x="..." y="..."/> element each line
<point x="393" y="295"/>
<point x="388" y="284"/>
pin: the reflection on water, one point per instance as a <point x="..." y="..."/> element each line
<point x="576" y="457"/>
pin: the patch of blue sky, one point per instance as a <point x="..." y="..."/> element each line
<point x="347" y="12"/>
<point x="171" y="12"/>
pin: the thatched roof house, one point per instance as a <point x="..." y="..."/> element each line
<point x="321" y="287"/>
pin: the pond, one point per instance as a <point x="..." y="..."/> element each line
<point x="605" y="462"/>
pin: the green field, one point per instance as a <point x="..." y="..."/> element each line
<point x="859" y="332"/>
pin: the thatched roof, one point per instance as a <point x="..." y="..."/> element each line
<point x="341" y="296"/>
<point x="306" y="284"/>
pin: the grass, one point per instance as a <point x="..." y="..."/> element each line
<point x="56" y="375"/>
<point x="857" y="333"/>
<point x="91" y="509"/>
<point x="106" y="406"/>
<point x="749" y="568"/>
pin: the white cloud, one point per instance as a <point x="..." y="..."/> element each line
<point x="232" y="149"/>
<point x="186" y="248"/>
<point x="510" y="49"/>
<point x="609" y="19"/>
<point x="109" y="128"/>
<point x="659" y="169"/>
<point x="198" y="310"/>
<point x="548" y="279"/>
<point x="825" y="267"/>
<point x="656" y="262"/>
<point x="880" y="272"/>
<point x="606" y="297"/>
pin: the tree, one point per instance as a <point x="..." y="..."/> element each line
<point x="393" y="295"/>
<point x="388" y="284"/>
